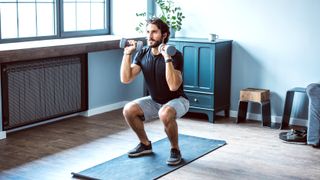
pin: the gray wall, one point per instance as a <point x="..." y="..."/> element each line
<point x="104" y="80"/>
<point x="276" y="42"/>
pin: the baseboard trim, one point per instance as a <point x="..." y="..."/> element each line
<point x="274" y="119"/>
<point x="103" y="109"/>
<point x="118" y="105"/>
<point x="43" y="122"/>
<point x="3" y="135"/>
<point x="88" y="113"/>
<point x="299" y="122"/>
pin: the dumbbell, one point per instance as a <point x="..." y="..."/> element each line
<point x="124" y="43"/>
<point x="170" y="50"/>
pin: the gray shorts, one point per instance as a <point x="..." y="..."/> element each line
<point x="151" y="108"/>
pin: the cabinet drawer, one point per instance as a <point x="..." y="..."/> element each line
<point x="200" y="100"/>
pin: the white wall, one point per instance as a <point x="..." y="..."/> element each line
<point x="276" y="42"/>
<point x="124" y="20"/>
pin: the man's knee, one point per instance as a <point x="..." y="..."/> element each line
<point x="131" y="110"/>
<point x="167" y="114"/>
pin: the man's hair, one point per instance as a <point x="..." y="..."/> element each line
<point x="164" y="28"/>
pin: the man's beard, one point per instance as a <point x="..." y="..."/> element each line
<point x="156" y="44"/>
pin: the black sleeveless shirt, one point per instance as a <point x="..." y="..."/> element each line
<point x="154" y="71"/>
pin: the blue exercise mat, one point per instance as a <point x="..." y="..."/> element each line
<point x="151" y="166"/>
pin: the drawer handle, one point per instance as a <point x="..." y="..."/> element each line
<point x="195" y="100"/>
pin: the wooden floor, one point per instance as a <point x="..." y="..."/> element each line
<point x="53" y="151"/>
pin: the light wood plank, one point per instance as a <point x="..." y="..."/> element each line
<point x="54" y="150"/>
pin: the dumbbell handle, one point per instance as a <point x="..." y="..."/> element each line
<point x="124" y="43"/>
<point x="170" y="50"/>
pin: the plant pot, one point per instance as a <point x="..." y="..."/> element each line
<point x="172" y="33"/>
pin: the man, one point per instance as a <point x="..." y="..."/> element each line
<point x="313" y="132"/>
<point x="163" y="77"/>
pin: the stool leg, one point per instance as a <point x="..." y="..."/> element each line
<point x="287" y="110"/>
<point x="266" y="114"/>
<point x="227" y="112"/>
<point x="242" y="111"/>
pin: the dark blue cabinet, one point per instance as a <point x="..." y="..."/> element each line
<point x="207" y="74"/>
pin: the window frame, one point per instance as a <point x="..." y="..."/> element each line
<point x="106" y="31"/>
<point x="60" y="33"/>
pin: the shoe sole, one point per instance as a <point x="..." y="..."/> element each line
<point x="141" y="153"/>
<point x="173" y="163"/>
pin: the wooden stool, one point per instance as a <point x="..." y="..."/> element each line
<point x="254" y="95"/>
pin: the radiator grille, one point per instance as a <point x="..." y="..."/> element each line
<point x="43" y="89"/>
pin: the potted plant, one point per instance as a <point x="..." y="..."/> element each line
<point x="170" y="14"/>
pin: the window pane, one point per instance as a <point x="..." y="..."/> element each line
<point x="26" y="1"/>
<point x="8" y="1"/>
<point x="97" y="16"/>
<point x="69" y="13"/>
<point x="92" y="1"/>
<point x="45" y="19"/>
<point x="8" y="21"/>
<point x="23" y="1"/>
<point x="81" y="1"/>
<point x="83" y="16"/>
<point x="37" y="18"/>
<point x="51" y="1"/>
<point x="27" y="20"/>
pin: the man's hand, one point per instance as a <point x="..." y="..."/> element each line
<point x="162" y="50"/>
<point x="128" y="50"/>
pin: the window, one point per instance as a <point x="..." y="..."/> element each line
<point x="85" y="17"/>
<point x="22" y="20"/>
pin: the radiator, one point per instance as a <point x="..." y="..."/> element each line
<point x="38" y="90"/>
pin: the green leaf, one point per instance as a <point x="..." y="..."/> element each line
<point x="169" y="13"/>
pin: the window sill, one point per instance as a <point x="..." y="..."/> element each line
<point x="11" y="52"/>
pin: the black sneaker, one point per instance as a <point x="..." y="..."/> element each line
<point x="140" y="150"/>
<point x="175" y="157"/>
<point x="316" y="146"/>
<point x="294" y="136"/>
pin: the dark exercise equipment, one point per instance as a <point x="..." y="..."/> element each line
<point x="170" y="50"/>
<point x="124" y="43"/>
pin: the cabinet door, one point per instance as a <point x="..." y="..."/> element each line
<point x="198" y="66"/>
